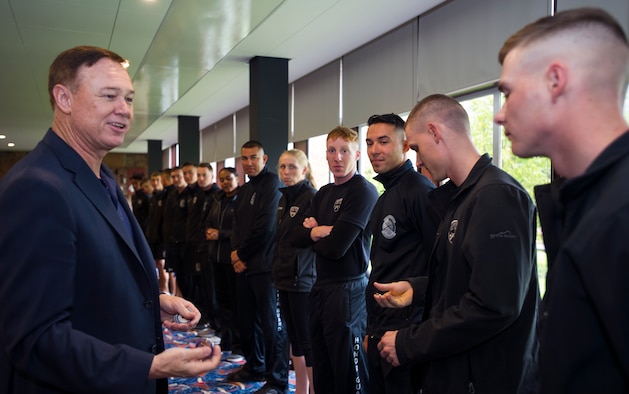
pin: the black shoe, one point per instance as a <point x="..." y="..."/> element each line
<point x="271" y="389"/>
<point x="244" y="375"/>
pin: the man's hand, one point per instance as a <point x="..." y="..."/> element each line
<point x="234" y="256"/>
<point x="317" y="232"/>
<point x="171" y="305"/>
<point x="185" y="362"/>
<point x="211" y="234"/>
<point x="394" y="294"/>
<point x="386" y="346"/>
<point x="239" y="266"/>
<point x="310" y="222"/>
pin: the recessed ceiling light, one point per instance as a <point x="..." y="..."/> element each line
<point x="10" y="144"/>
<point x="2" y="136"/>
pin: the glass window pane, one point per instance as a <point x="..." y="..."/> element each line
<point x="481" y="113"/>
<point x="318" y="163"/>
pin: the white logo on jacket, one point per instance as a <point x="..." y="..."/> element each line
<point x="253" y="199"/>
<point x="452" y="232"/>
<point x="293" y="211"/>
<point x="389" y="227"/>
<point x="337" y="204"/>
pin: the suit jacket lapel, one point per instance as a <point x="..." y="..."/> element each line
<point x="91" y="187"/>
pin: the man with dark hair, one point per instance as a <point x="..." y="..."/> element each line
<point x="403" y="227"/>
<point x="480" y="330"/>
<point x="564" y="79"/>
<point x="263" y="337"/>
<point x="81" y="311"/>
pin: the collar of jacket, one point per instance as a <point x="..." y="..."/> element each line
<point x="443" y="195"/>
<point x="390" y="178"/>
<point x="294" y="189"/>
<point x="255" y="179"/>
<point x="616" y="151"/>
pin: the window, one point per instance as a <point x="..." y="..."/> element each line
<point x="316" y="155"/>
<point x="230" y="162"/>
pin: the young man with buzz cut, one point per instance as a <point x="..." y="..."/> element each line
<point x="564" y="78"/>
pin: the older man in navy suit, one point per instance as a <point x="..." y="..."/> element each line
<point x="81" y="311"/>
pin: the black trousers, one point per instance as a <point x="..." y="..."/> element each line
<point x="226" y="296"/>
<point x="338" y="320"/>
<point x="262" y="333"/>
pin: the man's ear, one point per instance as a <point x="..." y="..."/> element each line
<point x="435" y="132"/>
<point x="63" y="98"/>
<point x="556" y="79"/>
<point x="265" y="158"/>
<point x="405" y="146"/>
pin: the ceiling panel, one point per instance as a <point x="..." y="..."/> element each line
<point x="187" y="57"/>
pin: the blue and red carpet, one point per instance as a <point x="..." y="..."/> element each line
<point x="213" y="381"/>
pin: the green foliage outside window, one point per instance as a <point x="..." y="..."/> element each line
<point x="529" y="172"/>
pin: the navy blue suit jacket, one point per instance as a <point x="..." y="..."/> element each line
<point x="80" y="303"/>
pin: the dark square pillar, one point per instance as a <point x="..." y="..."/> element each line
<point x="188" y="135"/>
<point x="268" y="105"/>
<point x="154" y="149"/>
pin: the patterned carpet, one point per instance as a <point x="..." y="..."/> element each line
<point x="214" y="381"/>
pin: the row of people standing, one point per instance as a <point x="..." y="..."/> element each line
<point x="479" y="331"/>
<point x="277" y="233"/>
<point x="462" y="309"/>
<point x="175" y="231"/>
<point x="478" y="285"/>
<point x="322" y="252"/>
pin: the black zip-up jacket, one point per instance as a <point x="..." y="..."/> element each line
<point x="253" y="231"/>
<point x="140" y="207"/>
<point x="220" y="217"/>
<point x="403" y="227"/>
<point x="294" y="268"/>
<point x="198" y="207"/>
<point x="175" y="216"/>
<point x="483" y="295"/>
<point x="585" y="221"/>
<point x="156" y="211"/>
